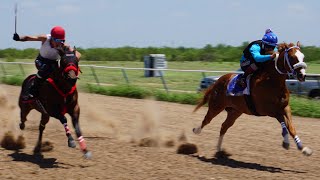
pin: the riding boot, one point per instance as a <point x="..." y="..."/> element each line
<point x="242" y="81"/>
<point x="34" y="88"/>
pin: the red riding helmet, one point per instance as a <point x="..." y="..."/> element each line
<point x="58" y="32"/>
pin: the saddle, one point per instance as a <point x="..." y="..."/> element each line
<point x="235" y="90"/>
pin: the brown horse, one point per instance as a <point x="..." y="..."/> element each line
<point x="269" y="95"/>
<point x="58" y="96"/>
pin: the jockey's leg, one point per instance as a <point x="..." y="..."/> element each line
<point x="42" y="126"/>
<point x="247" y="71"/>
<point x="288" y="121"/>
<point x="231" y="118"/>
<point x="44" y="70"/>
<point x="34" y="88"/>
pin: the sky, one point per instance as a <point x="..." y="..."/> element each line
<point x="158" y="23"/>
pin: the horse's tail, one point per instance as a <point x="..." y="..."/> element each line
<point x="206" y="97"/>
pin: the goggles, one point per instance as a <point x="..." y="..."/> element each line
<point x="58" y="40"/>
<point x="270" y="46"/>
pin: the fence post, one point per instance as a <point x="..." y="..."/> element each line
<point x="22" y="70"/>
<point x="163" y="82"/>
<point x="204" y="74"/>
<point x="95" y="75"/>
<point x="3" y="70"/>
<point x="125" y="75"/>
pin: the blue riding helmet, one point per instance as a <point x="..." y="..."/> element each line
<point x="270" y="39"/>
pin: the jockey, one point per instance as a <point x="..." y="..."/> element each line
<point x="255" y="53"/>
<point x="50" y="51"/>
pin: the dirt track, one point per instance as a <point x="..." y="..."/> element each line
<point x="113" y="127"/>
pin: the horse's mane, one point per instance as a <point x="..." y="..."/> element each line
<point x="283" y="46"/>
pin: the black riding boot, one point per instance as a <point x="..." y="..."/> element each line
<point x="34" y="88"/>
<point x="242" y="81"/>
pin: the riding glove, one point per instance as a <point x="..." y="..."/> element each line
<point x="16" y="37"/>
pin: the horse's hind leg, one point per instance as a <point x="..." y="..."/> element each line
<point x="42" y="126"/>
<point x="231" y="118"/>
<point x="213" y="111"/>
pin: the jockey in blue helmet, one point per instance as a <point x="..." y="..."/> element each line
<point x="255" y="53"/>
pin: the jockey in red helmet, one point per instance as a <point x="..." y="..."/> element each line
<point x="254" y="54"/>
<point x="51" y="47"/>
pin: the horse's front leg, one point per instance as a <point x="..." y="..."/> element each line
<point x="285" y="133"/>
<point x="75" y="121"/>
<point x="288" y="122"/>
<point x="71" y="142"/>
<point x="42" y="126"/>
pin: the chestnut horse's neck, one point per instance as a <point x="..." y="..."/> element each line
<point x="272" y="68"/>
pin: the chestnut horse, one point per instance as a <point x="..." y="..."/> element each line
<point x="57" y="96"/>
<point x="269" y="95"/>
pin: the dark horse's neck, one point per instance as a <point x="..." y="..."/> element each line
<point x="61" y="83"/>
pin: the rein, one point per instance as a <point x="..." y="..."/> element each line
<point x="286" y="60"/>
<point x="64" y="95"/>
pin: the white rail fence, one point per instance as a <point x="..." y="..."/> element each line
<point x="169" y="79"/>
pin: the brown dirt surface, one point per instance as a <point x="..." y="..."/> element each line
<point x="129" y="139"/>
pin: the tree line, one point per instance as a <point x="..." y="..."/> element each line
<point x="218" y="53"/>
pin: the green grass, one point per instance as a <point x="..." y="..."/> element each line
<point x="180" y="81"/>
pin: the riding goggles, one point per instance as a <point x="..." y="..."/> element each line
<point x="270" y="46"/>
<point x="58" y="40"/>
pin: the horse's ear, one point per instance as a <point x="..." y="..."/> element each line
<point x="298" y="44"/>
<point x="74" y="49"/>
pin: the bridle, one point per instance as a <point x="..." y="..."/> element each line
<point x="300" y="64"/>
<point x="69" y="66"/>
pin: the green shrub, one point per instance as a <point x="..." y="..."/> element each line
<point x="13" y="80"/>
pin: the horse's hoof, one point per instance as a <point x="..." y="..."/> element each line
<point x="22" y="126"/>
<point x="307" y="151"/>
<point x="285" y="145"/>
<point x="87" y="155"/>
<point x="196" y="130"/>
<point x="72" y="144"/>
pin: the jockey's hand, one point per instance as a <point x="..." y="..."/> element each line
<point x="273" y="55"/>
<point x="16" y="37"/>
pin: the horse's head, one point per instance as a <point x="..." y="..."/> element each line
<point x="68" y="66"/>
<point x="293" y="61"/>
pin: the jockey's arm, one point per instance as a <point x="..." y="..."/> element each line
<point x="255" y="51"/>
<point x="41" y="38"/>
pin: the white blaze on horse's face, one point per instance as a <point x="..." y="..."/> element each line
<point x="301" y="65"/>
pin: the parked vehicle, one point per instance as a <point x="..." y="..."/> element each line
<point x="310" y="88"/>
